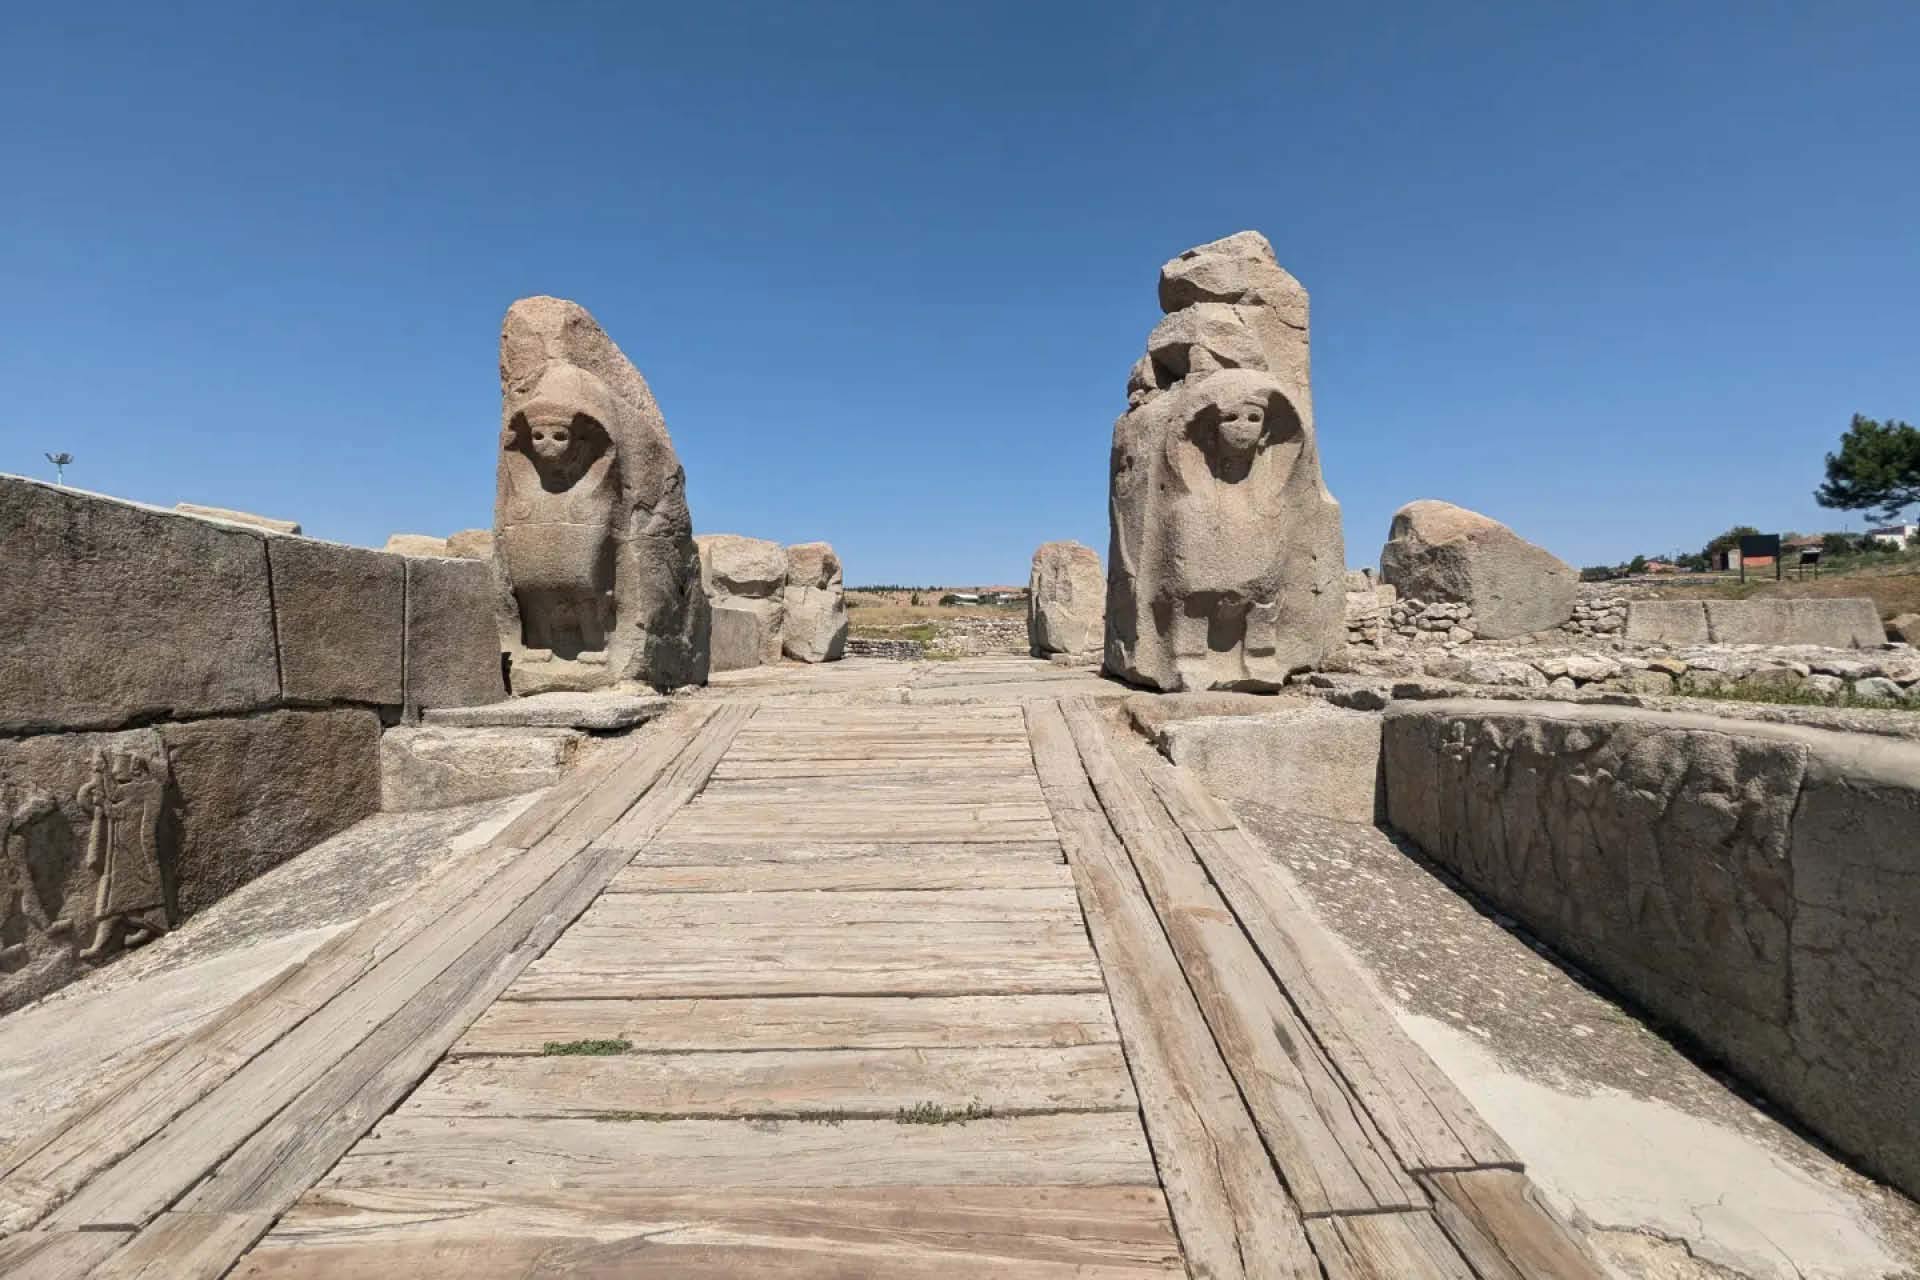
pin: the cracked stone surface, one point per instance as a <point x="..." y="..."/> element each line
<point x="1671" y="1171"/>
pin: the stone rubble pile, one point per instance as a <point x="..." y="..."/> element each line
<point x="1598" y="613"/>
<point x="1890" y="676"/>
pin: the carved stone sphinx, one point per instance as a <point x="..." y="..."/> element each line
<point x="1226" y="569"/>
<point x="599" y="580"/>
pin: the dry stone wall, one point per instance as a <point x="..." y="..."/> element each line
<point x="1755" y="884"/>
<point x="187" y="701"/>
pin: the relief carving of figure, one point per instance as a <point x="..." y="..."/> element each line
<point x="1227" y="566"/>
<point x="125" y="796"/>
<point x="1226" y="466"/>
<point x="559" y="490"/>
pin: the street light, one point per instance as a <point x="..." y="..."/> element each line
<point x="60" y="461"/>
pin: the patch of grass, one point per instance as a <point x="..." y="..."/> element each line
<point x="585" y="1048"/>
<point x="823" y="1117"/>
<point x="1846" y="699"/>
<point x="934" y="1113"/>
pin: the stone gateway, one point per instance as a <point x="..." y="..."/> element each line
<point x="599" y="580"/>
<point x="1227" y="567"/>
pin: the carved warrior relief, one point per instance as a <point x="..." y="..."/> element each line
<point x="1227" y="567"/>
<point x="599" y="581"/>
<point x="86" y="876"/>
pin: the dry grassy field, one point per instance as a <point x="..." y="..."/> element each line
<point x="1895" y="588"/>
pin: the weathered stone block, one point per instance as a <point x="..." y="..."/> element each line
<point x="816" y="600"/>
<point x="340" y="613"/>
<point x="1066" y="600"/>
<point x="1316" y="759"/>
<point x="1856" y="936"/>
<point x="436" y="768"/>
<point x="255" y="790"/>
<point x="1851" y="623"/>
<point x="238" y="517"/>
<point x="117" y="613"/>
<point x="1673" y="622"/>
<point x="744" y="576"/>
<point x="452" y="644"/>
<point x="741" y="635"/>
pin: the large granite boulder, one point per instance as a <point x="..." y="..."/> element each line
<point x="1437" y="552"/>
<point x="599" y="581"/>
<point x="816" y="600"/>
<point x="1226" y="568"/>
<point x="1066" y="600"/>
<point x="746" y="583"/>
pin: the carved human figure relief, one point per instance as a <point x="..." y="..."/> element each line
<point x="125" y="797"/>
<point x="1225" y="468"/>
<point x="560" y="488"/>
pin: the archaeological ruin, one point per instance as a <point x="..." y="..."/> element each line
<point x="1226" y="557"/>
<point x="580" y="896"/>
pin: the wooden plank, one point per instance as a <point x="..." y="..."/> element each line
<point x="772" y="814"/>
<point x="804" y="1022"/>
<point x="56" y="1255"/>
<point x="1234" y="1218"/>
<point x="283" y="1159"/>
<point x="668" y="852"/>
<point x="811" y="909"/>
<point x="1388" y="1246"/>
<point x="1327" y="1149"/>
<point x="1101" y="1148"/>
<point x="961" y="871"/>
<point x="1423" y="1115"/>
<point x="153" y="1176"/>
<point x="894" y="833"/>
<point x="680" y="782"/>
<point x="280" y="1160"/>
<point x="185" y="1246"/>
<point x="916" y="1233"/>
<point x="148" y="1179"/>
<point x="665" y="747"/>
<point x="776" y="1084"/>
<point x="1498" y="1220"/>
<point x="51" y="1166"/>
<point x="932" y="960"/>
<point x="538" y="822"/>
<point x="932" y="771"/>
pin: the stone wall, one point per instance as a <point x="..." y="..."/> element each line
<point x="187" y="702"/>
<point x="1828" y="622"/>
<point x="1757" y="885"/>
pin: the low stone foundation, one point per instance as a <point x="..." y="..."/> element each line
<point x="899" y="650"/>
<point x="1757" y="885"/>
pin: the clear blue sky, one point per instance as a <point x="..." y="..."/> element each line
<point x="1615" y="273"/>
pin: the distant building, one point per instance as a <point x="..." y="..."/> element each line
<point x="1896" y="535"/>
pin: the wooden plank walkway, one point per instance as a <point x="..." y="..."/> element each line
<point x="973" y="989"/>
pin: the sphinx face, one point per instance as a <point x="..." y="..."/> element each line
<point x="1242" y="425"/>
<point x="551" y="435"/>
